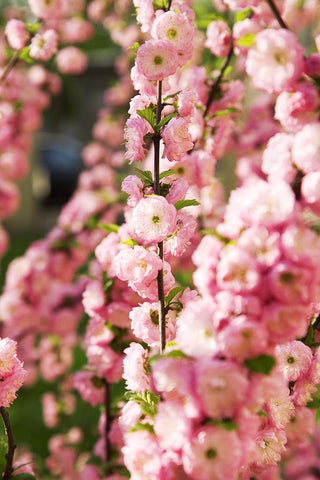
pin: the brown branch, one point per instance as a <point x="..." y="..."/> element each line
<point x="11" y="445"/>
<point x="217" y="82"/>
<point x="277" y="14"/>
<point x="11" y="64"/>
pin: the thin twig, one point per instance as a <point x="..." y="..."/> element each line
<point x="10" y="65"/>
<point x="217" y="82"/>
<point x="277" y="14"/>
<point x="11" y="445"/>
<point x="169" y="4"/>
<point x="161" y="307"/>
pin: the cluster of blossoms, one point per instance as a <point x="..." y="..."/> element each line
<point x="231" y="394"/>
<point x="12" y="372"/>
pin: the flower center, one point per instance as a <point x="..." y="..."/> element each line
<point x="172" y="33"/>
<point x="156" y="219"/>
<point x="281" y="58"/>
<point x="211" y="453"/>
<point x="158" y="60"/>
<point x="290" y="359"/>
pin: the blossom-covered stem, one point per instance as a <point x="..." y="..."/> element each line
<point x="11" y="64"/>
<point x="156" y="143"/>
<point x="108" y="420"/>
<point x="11" y="445"/>
<point x="217" y="82"/>
<point x="276" y="13"/>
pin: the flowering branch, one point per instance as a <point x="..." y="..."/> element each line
<point x="169" y="4"/>
<point x="217" y="82"/>
<point x="156" y="142"/>
<point x="276" y="13"/>
<point x="11" y="445"/>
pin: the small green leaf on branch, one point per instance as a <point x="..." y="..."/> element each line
<point x="33" y="27"/>
<point x="227" y="424"/>
<point x="160" y="4"/>
<point x="147" y="400"/>
<point x="145" y="175"/>
<point x="165" y="120"/>
<point x="148" y="114"/>
<point x="226" y="111"/>
<point x="261" y="364"/>
<point x="135" y="46"/>
<point x="186" y="203"/>
<point x="173" y="293"/>
<point x="309" y="338"/>
<point x="246" y="40"/>
<point x="167" y="173"/>
<point x="131" y="242"/>
<point x="315" y="402"/>
<point x="109" y="227"/>
<point x="142" y="426"/>
<point x="243" y="14"/>
<point x="25" y="55"/>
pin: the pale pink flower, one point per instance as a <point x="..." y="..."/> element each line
<point x="177" y="189"/>
<point x="48" y="9"/>
<point x="196" y="332"/>
<point x="71" y="61"/>
<point x="157" y="59"/>
<point x="12" y="373"/>
<point x="135" y="368"/>
<point x="134" y="133"/>
<point x="133" y="186"/>
<point x="145" y="323"/>
<point x="275" y="62"/>
<point x="154" y="219"/>
<point x="270" y="445"/>
<point x="263" y="245"/>
<point x="280" y="409"/>
<point x="222" y="387"/>
<point x="171" y="413"/>
<point x="50" y="409"/>
<point x="301" y="426"/>
<point x="145" y="13"/>
<point x="75" y="30"/>
<point x="285" y="322"/>
<point x="90" y="387"/>
<point x="294" y="359"/>
<point x="306" y="148"/>
<point x="218" y="38"/>
<point x="17" y="34"/>
<point x="312" y="67"/>
<point x="212" y="453"/>
<point x="301" y="244"/>
<point x="44" y="45"/>
<point x="143" y="456"/>
<point x="179" y="240"/>
<point x="237" y="270"/>
<point x="310" y="190"/>
<point x="296" y="109"/>
<point x="177" y="139"/>
<point x="291" y="283"/>
<point x="174" y="27"/>
<point x="279" y="147"/>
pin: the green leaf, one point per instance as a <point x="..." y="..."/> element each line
<point x="25" y="55"/>
<point x="135" y="47"/>
<point x="131" y="242"/>
<point x="165" y="120"/>
<point x="109" y="227"/>
<point x="315" y="402"/>
<point x="186" y="203"/>
<point x="171" y="354"/>
<point x="148" y="114"/>
<point x="226" y="111"/>
<point x="214" y="233"/>
<point x="142" y="426"/>
<point x="261" y="364"/>
<point x="33" y="27"/>
<point x="64" y="244"/>
<point x="147" y="400"/>
<point x="160" y="4"/>
<point x="246" y="40"/>
<point x="243" y="14"/>
<point x="309" y="338"/>
<point x="3" y="451"/>
<point x="227" y="424"/>
<point x="167" y="173"/>
<point x="145" y="175"/>
<point x="173" y="293"/>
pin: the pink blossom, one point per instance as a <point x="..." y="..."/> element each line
<point x="174" y="27"/>
<point x="296" y="109"/>
<point x="291" y="283"/>
<point x="177" y="189"/>
<point x="71" y="61"/>
<point x="306" y="148"/>
<point x="213" y="453"/>
<point x="142" y="456"/>
<point x="44" y="45"/>
<point x="154" y="219"/>
<point x="157" y="59"/>
<point x="279" y="146"/>
<point x="310" y="190"/>
<point x="275" y="61"/>
<point x="179" y="240"/>
<point x="91" y="387"/>
<point x="270" y="444"/>
<point x="145" y="323"/>
<point x="17" y="34"/>
<point x="262" y="245"/>
<point x="145" y="13"/>
<point x="75" y="30"/>
<point x="294" y="359"/>
<point x="171" y="413"/>
<point x="48" y="9"/>
<point x="12" y="373"/>
<point x="221" y="386"/>
<point x="218" y="38"/>
<point x="134" y="133"/>
<point x="177" y="139"/>
<point x="237" y="270"/>
<point x="135" y="368"/>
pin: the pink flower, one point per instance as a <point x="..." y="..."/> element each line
<point x="179" y="240"/>
<point x="142" y="456"/>
<point x="270" y="444"/>
<point x="44" y="45"/>
<point x="218" y="38"/>
<point x="90" y="387"/>
<point x="221" y="387"/>
<point x="171" y="413"/>
<point x="145" y="323"/>
<point x="48" y="9"/>
<point x="291" y="283"/>
<point x="145" y="13"/>
<point x="175" y="28"/>
<point x="71" y="61"/>
<point x="279" y="146"/>
<point x="12" y="373"/>
<point x="17" y="34"/>
<point x="294" y="359"/>
<point x="310" y="190"/>
<point x="135" y="368"/>
<point x="237" y="270"/>
<point x="134" y="133"/>
<point x="212" y="453"/>
<point x="133" y="186"/>
<point x="157" y="59"/>
<point x="137" y="265"/>
<point x="154" y="219"/>
<point x="177" y="139"/>
<point x="275" y="62"/>
<point x="306" y="148"/>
